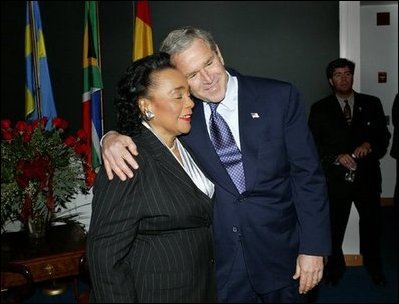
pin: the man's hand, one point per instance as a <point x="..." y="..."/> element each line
<point x="348" y="161"/>
<point x="363" y="150"/>
<point x="117" y="151"/>
<point x="309" y="270"/>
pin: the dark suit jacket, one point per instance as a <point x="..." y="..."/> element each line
<point x="333" y="137"/>
<point x="284" y="211"/>
<point x="150" y="237"/>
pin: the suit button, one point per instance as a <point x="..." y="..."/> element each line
<point x="235" y="229"/>
<point x="212" y="261"/>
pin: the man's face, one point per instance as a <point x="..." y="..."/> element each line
<point x="204" y="71"/>
<point x="342" y="81"/>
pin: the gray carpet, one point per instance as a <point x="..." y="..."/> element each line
<point x="356" y="285"/>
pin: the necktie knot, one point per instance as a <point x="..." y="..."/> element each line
<point x="213" y="106"/>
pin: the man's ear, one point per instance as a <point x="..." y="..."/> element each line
<point x="330" y="82"/>
<point x="219" y="54"/>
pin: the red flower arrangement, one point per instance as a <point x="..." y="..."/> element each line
<point x="41" y="169"/>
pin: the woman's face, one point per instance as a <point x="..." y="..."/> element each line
<point x="169" y="99"/>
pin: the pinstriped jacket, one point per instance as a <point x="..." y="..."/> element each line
<point x="150" y="237"/>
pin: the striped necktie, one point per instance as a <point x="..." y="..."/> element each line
<point x="226" y="147"/>
<point x="347" y="113"/>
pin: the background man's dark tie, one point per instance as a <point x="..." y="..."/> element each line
<point x="347" y="113"/>
<point x="226" y="148"/>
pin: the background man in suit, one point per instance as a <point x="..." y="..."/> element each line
<point x="150" y="238"/>
<point x="276" y="229"/>
<point x="351" y="136"/>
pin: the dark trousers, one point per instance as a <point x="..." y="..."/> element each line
<point x="369" y="210"/>
<point x="238" y="288"/>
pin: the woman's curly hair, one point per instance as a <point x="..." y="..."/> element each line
<point x="134" y="84"/>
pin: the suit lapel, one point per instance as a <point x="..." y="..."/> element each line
<point x="198" y="141"/>
<point x="251" y="119"/>
<point x="357" y="109"/>
<point x="167" y="161"/>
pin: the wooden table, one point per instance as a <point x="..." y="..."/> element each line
<point x="55" y="256"/>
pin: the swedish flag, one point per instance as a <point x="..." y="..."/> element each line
<point x="39" y="100"/>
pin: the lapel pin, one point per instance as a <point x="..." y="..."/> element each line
<point x="255" y="115"/>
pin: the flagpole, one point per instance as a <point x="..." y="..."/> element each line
<point x="99" y="65"/>
<point x="36" y="76"/>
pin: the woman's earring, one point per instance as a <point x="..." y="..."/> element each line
<point x="148" y="115"/>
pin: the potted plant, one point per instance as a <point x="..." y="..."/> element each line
<point x="41" y="170"/>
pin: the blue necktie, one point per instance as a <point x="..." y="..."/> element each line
<point x="226" y="148"/>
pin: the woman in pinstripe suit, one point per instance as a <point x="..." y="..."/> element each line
<point x="150" y="238"/>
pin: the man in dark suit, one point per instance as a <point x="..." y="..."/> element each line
<point x="351" y="135"/>
<point x="272" y="236"/>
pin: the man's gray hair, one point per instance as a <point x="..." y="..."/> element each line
<point x="181" y="39"/>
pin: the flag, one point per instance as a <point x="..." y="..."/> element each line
<point x="39" y="100"/>
<point x="92" y="85"/>
<point x="142" y="39"/>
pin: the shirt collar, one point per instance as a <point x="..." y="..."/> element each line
<point x="350" y="99"/>
<point x="230" y="100"/>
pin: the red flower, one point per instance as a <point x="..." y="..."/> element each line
<point x="21" y="126"/>
<point x="70" y="141"/>
<point x="27" y="137"/>
<point x="82" y="135"/>
<point x="40" y="168"/>
<point x="43" y="122"/>
<point x="90" y="177"/>
<point x="60" y="123"/>
<point x="82" y="149"/>
<point x="5" y="124"/>
<point x="6" y="135"/>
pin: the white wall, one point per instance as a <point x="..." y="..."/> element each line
<point x="349" y="47"/>
<point x="80" y="206"/>
<point x="379" y="53"/>
<point x="373" y="49"/>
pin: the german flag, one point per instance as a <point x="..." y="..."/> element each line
<point x="142" y="39"/>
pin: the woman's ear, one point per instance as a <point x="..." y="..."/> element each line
<point x="145" y="109"/>
<point x="144" y="104"/>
